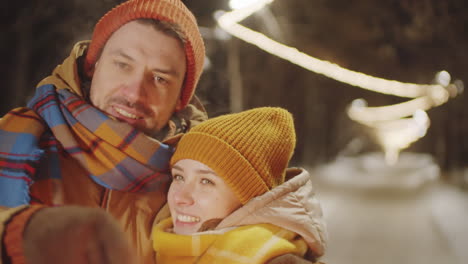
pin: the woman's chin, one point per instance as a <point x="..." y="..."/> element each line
<point x="186" y="229"/>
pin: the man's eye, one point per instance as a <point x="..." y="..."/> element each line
<point x="159" y="79"/>
<point x="206" y="181"/>
<point x="122" y="65"/>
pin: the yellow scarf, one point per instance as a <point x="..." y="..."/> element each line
<point x="246" y="244"/>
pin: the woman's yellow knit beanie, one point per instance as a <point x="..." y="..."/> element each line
<point x="250" y="150"/>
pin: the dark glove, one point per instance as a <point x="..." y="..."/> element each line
<point x="75" y="235"/>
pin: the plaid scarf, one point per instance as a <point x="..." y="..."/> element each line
<point x="59" y="122"/>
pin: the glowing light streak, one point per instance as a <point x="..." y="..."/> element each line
<point x="229" y="22"/>
<point x="390" y="124"/>
<point x="368" y="115"/>
<point x="396" y="135"/>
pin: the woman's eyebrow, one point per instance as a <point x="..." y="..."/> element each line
<point x="207" y="172"/>
<point x="177" y="168"/>
<point x="200" y="171"/>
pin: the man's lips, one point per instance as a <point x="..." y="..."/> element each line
<point x="126" y="115"/>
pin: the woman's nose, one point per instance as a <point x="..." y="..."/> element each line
<point x="184" y="196"/>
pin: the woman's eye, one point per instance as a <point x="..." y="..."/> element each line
<point x="206" y="181"/>
<point x="177" y="177"/>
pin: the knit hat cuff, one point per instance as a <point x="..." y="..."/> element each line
<point x="223" y="159"/>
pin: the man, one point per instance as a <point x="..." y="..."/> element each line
<point x="99" y="134"/>
<point x="99" y="129"/>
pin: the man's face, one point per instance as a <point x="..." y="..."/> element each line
<point x="198" y="194"/>
<point x="139" y="76"/>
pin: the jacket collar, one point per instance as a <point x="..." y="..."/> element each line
<point x="292" y="205"/>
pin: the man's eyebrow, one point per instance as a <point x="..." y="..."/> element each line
<point x="168" y="71"/>
<point x="121" y="53"/>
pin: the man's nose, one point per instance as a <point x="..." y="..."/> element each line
<point x="136" y="87"/>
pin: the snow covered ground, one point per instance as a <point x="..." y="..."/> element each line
<point x="402" y="215"/>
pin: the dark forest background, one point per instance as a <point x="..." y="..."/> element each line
<point x="405" y="40"/>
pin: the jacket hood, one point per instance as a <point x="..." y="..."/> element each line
<point x="292" y="206"/>
<point x="66" y="75"/>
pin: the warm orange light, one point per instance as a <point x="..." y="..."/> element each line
<point x="392" y="125"/>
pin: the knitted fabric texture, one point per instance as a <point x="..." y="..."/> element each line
<point x="249" y="150"/>
<point x="173" y="11"/>
<point x="252" y="244"/>
<point x="58" y="125"/>
<point x="14" y="234"/>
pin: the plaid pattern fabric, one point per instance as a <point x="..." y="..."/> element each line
<point x="251" y="244"/>
<point x="116" y="155"/>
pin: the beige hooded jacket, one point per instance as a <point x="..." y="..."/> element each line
<point x="292" y="205"/>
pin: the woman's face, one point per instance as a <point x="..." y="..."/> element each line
<point x="198" y="194"/>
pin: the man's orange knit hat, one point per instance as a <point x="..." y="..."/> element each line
<point x="250" y="150"/>
<point x="173" y="11"/>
